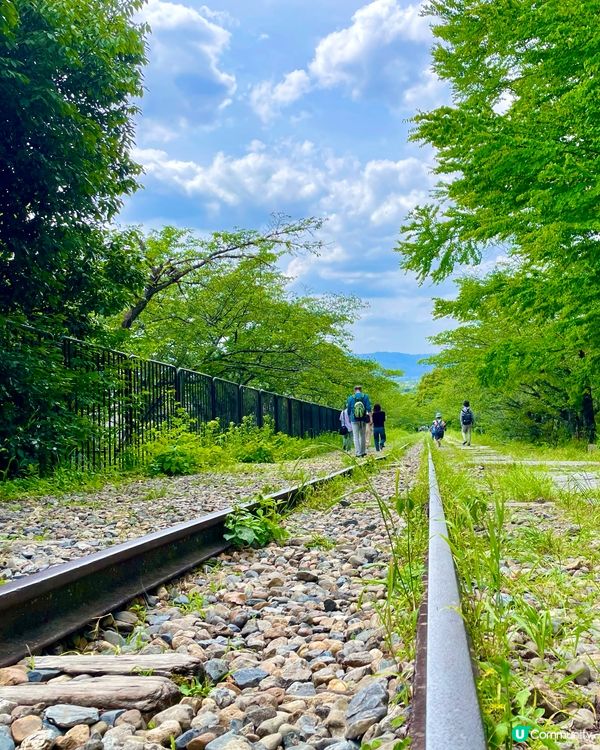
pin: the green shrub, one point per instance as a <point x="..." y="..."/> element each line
<point x="255" y="527"/>
<point x="183" y="447"/>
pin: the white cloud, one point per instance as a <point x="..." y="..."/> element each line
<point x="292" y="173"/>
<point x="362" y="57"/>
<point x="268" y="99"/>
<point x="344" y="57"/>
<point x="428" y="92"/>
<point x="185" y="73"/>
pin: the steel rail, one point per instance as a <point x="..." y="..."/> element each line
<point x="40" y="609"/>
<point x="446" y="711"/>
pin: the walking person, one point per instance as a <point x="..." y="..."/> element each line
<point x="438" y="428"/>
<point x="378" y="420"/>
<point x="467" y="420"/>
<point x="368" y="432"/>
<point x="346" y="430"/>
<point x="358" y="407"/>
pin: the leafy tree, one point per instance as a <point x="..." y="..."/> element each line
<point x="68" y="72"/>
<point x="177" y="256"/>
<point x="519" y="154"/>
<point x="237" y="320"/>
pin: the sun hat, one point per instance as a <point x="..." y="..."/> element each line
<point x="438" y="415"/>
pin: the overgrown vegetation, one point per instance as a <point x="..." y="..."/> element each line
<point x="180" y="448"/>
<point x="405" y="520"/>
<point x="256" y="526"/>
<point x="525" y="605"/>
<point x="517" y="152"/>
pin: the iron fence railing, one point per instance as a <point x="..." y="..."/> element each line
<point x="122" y="399"/>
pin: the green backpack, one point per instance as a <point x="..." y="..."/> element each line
<point x="359" y="409"/>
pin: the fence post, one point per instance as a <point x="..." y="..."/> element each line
<point x="276" y="411"/>
<point x="259" y="413"/>
<point x="213" y="399"/>
<point x="290" y="415"/>
<point x="240" y="405"/>
<point x="129" y="407"/>
<point x="179" y="387"/>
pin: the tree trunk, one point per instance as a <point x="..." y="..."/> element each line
<point x="588" y="415"/>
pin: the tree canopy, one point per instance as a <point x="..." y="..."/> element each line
<point x="69" y="70"/>
<point x="518" y="152"/>
<point x="231" y="315"/>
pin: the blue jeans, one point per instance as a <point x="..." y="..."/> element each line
<point x="379" y="436"/>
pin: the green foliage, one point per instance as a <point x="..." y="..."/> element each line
<point x="182" y="447"/>
<point x="255" y="527"/>
<point x="319" y="541"/>
<point x="69" y="72"/>
<point x="195" y="605"/>
<point x="518" y="152"/>
<point x="503" y="608"/>
<point x="193" y="687"/>
<point x="235" y="318"/>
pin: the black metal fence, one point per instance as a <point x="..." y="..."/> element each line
<point x="122" y="398"/>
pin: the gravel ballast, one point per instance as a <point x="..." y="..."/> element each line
<point x="293" y="651"/>
<point x="37" y="533"/>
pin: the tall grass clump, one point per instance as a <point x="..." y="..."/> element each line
<point x="513" y="593"/>
<point x="404" y="518"/>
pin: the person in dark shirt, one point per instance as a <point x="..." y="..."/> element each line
<point x="378" y="418"/>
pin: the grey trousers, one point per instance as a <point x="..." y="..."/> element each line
<point x="359" y="430"/>
<point x="466" y="433"/>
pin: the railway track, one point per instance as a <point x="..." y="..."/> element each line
<point x="444" y="710"/>
<point x="88" y="587"/>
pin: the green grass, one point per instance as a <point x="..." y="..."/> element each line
<point x="177" y="450"/>
<point x="64" y="480"/>
<point x="576" y="450"/>
<point x="515" y="584"/>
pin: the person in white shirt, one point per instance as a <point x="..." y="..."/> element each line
<point x="347" y="439"/>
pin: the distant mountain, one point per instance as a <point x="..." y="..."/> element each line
<point x="408" y="363"/>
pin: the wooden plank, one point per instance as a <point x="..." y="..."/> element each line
<point x="143" y="693"/>
<point x="162" y="665"/>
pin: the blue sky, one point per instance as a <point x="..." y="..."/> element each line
<point x="299" y="107"/>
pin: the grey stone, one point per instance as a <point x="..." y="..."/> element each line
<point x="269" y="742"/>
<point x="216" y="669"/>
<point x="183" y="739"/>
<point x="110" y="636"/>
<point x="111" y="716"/>
<point x="581" y="669"/>
<point x="115" y="738"/>
<point x="229" y="741"/>
<point x="301" y="689"/>
<point x="307" y="575"/>
<point x="366" y="708"/>
<point x="42" y="675"/>
<point x="249" y="677"/>
<point x="205" y="720"/>
<point x="6" y="741"/>
<point x="583" y="719"/>
<point x="295" y="671"/>
<point x="223" y="697"/>
<point x="52" y="729"/>
<point x="181" y="713"/>
<point x="67" y="716"/>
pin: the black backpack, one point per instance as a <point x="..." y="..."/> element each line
<point x="467" y="417"/>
